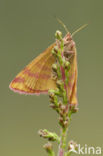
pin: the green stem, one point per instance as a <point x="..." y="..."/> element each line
<point x="51" y="153"/>
<point x="67" y="154"/>
<point x="62" y="143"/>
<point x="63" y="140"/>
<point x="63" y="137"/>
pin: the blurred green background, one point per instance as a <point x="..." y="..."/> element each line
<point x="26" y="29"/>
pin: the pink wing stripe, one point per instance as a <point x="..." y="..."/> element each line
<point x="36" y="75"/>
<point x="36" y="92"/>
<point x="19" y="79"/>
<point x="44" y="68"/>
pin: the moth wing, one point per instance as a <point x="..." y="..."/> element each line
<point x="72" y="86"/>
<point x="36" y="76"/>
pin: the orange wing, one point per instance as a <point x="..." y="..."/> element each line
<point x="35" y="78"/>
<point x="72" y="86"/>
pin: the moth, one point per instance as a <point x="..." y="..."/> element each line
<point x="36" y="79"/>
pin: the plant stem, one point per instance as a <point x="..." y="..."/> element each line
<point x="59" y="98"/>
<point x="62" y="143"/>
<point x="64" y="131"/>
<point x="51" y="153"/>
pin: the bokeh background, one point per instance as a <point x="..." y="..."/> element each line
<point x="27" y="27"/>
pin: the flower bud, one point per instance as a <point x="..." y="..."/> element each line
<point x="66" y="64"/>
<point x="56" y="49"/>
<point x="60" y="119"/>
<point x="59" y="83"/>
<point x="58" y="35"/>
<point x="54" y="67"/>
<point x="54" y="75"/>
<point x="48" y="147"/>
<point x="52" y="105"/>
<point x="73" y="108"/>
<point x="43" y="133"/>
<point x="51" y="94"/>
<point x="60" y="103"/>
<point x="54" y="53"/>
<point x="65" y="124"/>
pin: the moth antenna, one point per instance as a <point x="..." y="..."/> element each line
<point x="64" y="26"/>
<point x="79" y="29"/>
